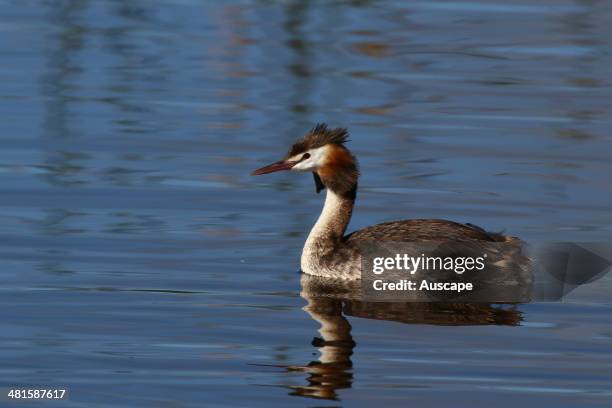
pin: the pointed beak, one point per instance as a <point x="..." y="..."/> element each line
<point x="271" y="168"/>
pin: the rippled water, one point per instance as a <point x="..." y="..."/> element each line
<point x="142" y="266"/>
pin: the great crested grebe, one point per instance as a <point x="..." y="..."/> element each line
<point x="327" y="251"/>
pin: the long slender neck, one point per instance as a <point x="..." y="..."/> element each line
<point x="334" y="218"/>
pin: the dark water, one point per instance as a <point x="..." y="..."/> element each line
<point x="142" y="266"/>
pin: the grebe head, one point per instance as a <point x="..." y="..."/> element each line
<point x="322" y="152"/>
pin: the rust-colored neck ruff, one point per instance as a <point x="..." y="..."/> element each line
<point x="340" y="171"/>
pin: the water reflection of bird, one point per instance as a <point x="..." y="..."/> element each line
<point x="328" y="251"/>
<point x="330" y="301"/>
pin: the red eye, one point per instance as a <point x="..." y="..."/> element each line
<point x="306" y="156"/>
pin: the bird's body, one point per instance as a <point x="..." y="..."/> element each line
<point x="328" y="252"/>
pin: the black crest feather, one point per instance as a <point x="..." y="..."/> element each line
<point x="318" y="136"/>
<point x="318" y="182"/>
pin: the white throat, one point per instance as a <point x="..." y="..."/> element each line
<point x="329" y="214"/>
<point x="321" y="237"/>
